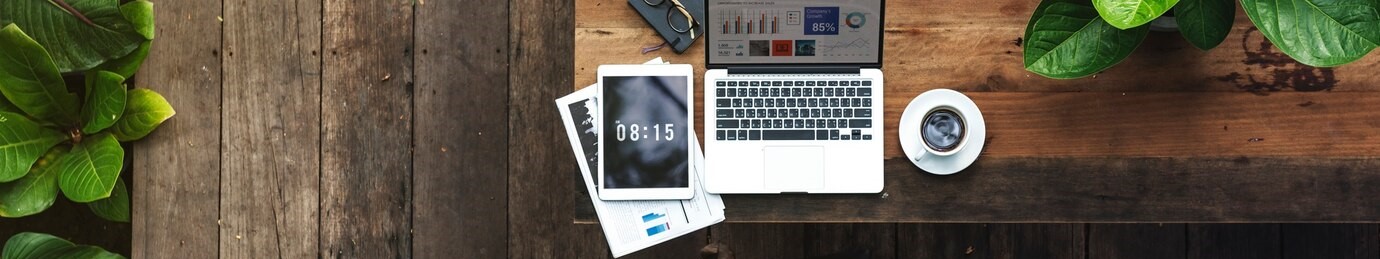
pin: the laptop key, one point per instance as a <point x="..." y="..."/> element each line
<point x="788" y="135"/>
<point x="721" y="83"/>
<point x="866" y="83"/>
<point x="855" y="83"/>
<point x="742" y="135"/>
<point x="724" y="113"/>
<point x="719" y="135"/>
<point x="865" y="91"/>
<point x="863" y="113"/>
<point x="720" y="92"/>
<point x="726" y="124"/>
<point x="732" y="135"/>
<point x="867" y="137"/>
<point x="755" y="135"/>
<point x="723" y="102"/>
<point x="860" y="123"/>
<point x="821" y="135"/>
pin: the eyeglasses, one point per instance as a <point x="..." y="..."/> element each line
<point x="677" y="15"/>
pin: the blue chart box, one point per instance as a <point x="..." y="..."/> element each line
<point x="821" y="21"/>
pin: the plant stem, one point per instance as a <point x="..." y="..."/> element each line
<point x="73" y="11"/>
<point x="75" y="133"/>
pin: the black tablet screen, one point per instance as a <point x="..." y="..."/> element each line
<point x="646" y="126"/>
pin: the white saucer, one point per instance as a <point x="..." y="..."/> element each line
<point x="910" y="132"/>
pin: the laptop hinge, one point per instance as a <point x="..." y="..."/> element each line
<point x="794" y="70"/>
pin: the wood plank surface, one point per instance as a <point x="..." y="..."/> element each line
<point x="1231" y="241"/>
<point x="541" y="179"/>
<point x="1242" y="189"/>
<point x="683" y="247"/>
<point x="943" y="240"/>
<point x="460" y="147"/>
<point x="1149" y="241"/>
<point x="785" y="241"/>
<point x="176" y="169"/>
<point x="366" y="120"/>
<point x="1340" y="241"/>
<point x="1036" y="241"/>
<point x="843" y="240"/>
<point x="271" y="149"/>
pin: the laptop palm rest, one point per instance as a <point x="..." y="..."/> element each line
<point x="794" y="169"/>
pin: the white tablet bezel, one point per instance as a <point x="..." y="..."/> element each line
<point x="677" y="193"/>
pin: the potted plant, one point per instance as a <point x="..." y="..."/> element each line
<point x="1076" y="38"/>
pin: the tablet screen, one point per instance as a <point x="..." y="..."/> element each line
<point x="645" y="126"/>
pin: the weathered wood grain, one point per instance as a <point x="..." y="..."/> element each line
<point x="759" y="240"/>
<point x="683" y="247"/>
<point x="1052" y="241"/>
<point x="1231" y="241"/>
<point x="1341" y="241"/>
<point x="1243" y="189"/>
<point x="460" y="147"/>
<point x="843" y="240"/>
<point x="176" y="189"/>
<point x="540" y="167"/>
<point x="366" y="120"/>
<point x="1150" y="241"/>
<point x="943" y="241"/>
<point x="271" y="148"/>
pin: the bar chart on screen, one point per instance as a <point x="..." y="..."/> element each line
<point x="757" y="21"/>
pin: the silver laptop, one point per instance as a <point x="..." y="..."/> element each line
<point x="793" y="96"/>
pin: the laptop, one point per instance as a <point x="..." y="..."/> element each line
<point x="793" y="96"/>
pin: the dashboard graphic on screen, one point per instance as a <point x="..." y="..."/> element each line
<point x="794" y="32"/>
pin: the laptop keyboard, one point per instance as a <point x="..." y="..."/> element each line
<point x="749" y="110"/>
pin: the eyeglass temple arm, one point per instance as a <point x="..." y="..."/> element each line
<point x="690" y="19"/>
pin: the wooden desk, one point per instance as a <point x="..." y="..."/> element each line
<point x="1173" y="134"/>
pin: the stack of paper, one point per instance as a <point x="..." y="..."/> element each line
<point x="630" y="226"/>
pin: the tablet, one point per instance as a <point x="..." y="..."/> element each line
<point x="644" y="124"/>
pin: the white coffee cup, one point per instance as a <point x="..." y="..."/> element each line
<point x="943" y="131"/>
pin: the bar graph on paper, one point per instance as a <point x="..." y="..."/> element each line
<point x="757" y="21"/>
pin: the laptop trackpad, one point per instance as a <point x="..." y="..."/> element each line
<point x="794" y="169"/>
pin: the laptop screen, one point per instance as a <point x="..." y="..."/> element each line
<point x="794" y="32"/>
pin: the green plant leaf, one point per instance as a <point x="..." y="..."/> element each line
<point x="105" y="101"/>
<point x="34" y="192"/>
<point x="6" y="106"/>
<point x="22" y="142"/>
<point x="144" y="111"/>
<point x="34" y="245"/>
<point x="1126" y="14"/>
<point x="90" y="170"/>
<point x="29" y="245"/>
<point x="1322" y="33"/>
<point x="30" y="81"/>
<point x="140" y="14"/>
<point x="115" y="208"/>
<point x="1205" y="23"/>
<point x="75" y="44"/>
<point x="1066" y="39"/>
<point x="129" y="64"/>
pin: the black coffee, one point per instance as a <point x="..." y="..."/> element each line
<point x="942" y="130"/>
